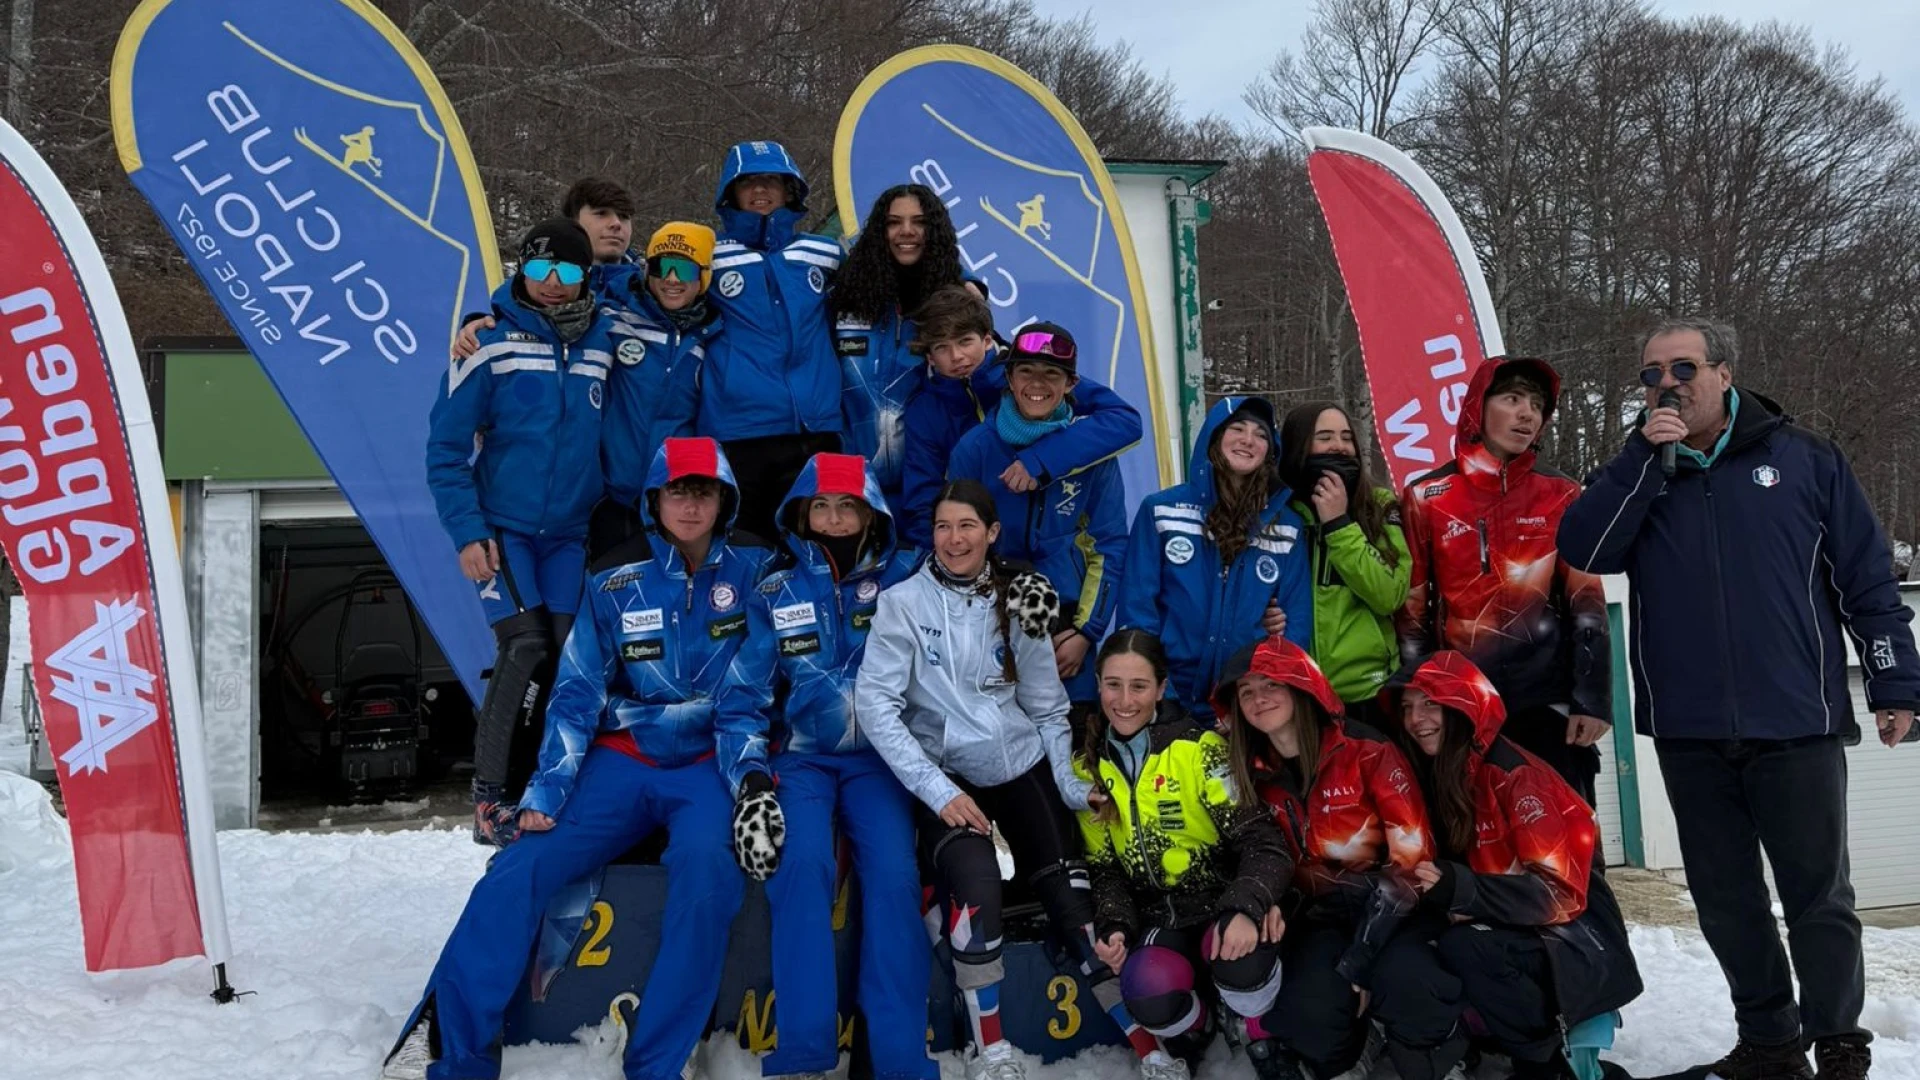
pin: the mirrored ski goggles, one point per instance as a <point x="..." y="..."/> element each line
<point x="1683" y="371"/>
<point x="674" y="268"/>
<point x="1045" y="343"/>
<point x="542" y="269"/>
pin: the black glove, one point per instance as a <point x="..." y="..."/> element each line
<point x="1440" y="897"/>
<point x="759" y="828"/>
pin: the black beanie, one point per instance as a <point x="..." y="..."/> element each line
<point x="558" y="239"/>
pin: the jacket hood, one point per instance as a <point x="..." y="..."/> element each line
<point x="1473" y="409"/>
<point x="1283" y="662"/>
<point x="760" y="231"/>
<point x="678" y="458"/>
<point x="1452" y="680"/>
<point x="837" y="474"/>
<point x="1199" y="465"/>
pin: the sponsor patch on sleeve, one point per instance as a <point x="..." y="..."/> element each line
<point x="800" y="644"/>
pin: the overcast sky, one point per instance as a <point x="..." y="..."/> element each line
<point x="1213" y="50"/>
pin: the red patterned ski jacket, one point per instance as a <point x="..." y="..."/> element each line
<point x="1487" y="579"/>
<point x="1533" y="836"/>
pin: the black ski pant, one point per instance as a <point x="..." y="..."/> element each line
<point x="1541" y="730"/>
<point x="1731" y="799"/>
<point x="1418" y="1000"/>
<point x="1047" y="853"/>
<point x="1317" y="1015"/>
<point x="1508" y="984"/>
<point x="765" y="469"/>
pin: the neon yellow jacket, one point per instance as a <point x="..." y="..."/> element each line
<point x="1182" y="849"/>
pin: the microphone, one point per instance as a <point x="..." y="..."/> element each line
<point x="1669" y="399"/>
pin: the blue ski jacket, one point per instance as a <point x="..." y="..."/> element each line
<point x="657" y="371"/>
<point x="1175" y="587"/>
<point x="820" y="625"/>
<point x="880" y="374"/>
<point x="535" y="402"/>
<point x="774" y="372"/>
<point x="946" y="409"/>
<point x="1072" y="529"/>
<point x="667" y="663"/>
<point x="1743" y="575"/>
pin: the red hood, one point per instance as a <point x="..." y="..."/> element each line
<point x="1467" y="432"/>
<point x="1451" y="679"/>
<point x="1283" y="662"/>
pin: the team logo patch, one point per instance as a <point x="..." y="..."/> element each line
<point x="817" y="279"/>
<point x="1766" y="476"/>
<point x="1179" y="550"/>
<point x="1456" y="528"/>
<point x="723" y="597"/>
<point x="800" y="645"/>
<point x="650" y="621"/>
<point x="635" y="652"/>
<point x="866" y="591"/>
<point x="731" y="284"/>
<point x="593" y="395"/>
<point x="1266" y="569"/>
<point x="793" y="616"/>
<point x="1529" y="810"/>
<point x="631" y="351"/>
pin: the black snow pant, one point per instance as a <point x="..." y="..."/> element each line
<point x="1542" y="731"/>
<point x="765" y="469"/>
<point x="1508" y="984"/>
<point x="1731" y="799"/>
<point x="1317" y="1015"/>
<point x="1418" y="1001"/>
<point x="1047" y="853"/>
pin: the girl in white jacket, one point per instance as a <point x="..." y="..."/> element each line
<point x="960" y="695"/>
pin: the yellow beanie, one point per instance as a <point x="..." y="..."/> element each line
<point x="688" y="240"/>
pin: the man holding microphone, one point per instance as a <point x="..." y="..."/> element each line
<point x="1750" y="547"/>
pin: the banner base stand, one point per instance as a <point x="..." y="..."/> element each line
<point x="223" y="991"/>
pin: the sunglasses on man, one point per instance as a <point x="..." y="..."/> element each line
<point x="1683" y="371"/>
<point x="542" y="269"/>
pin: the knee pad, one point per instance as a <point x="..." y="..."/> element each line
<point x="1250" y="984"/>
<point x="971" y="868"/>
<point x="1157" y="985"/>
<point x="526" y="646"/>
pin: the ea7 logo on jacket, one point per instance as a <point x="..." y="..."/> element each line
<point x="1883" y="654"/>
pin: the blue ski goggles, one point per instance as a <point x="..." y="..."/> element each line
<point x="542" y="269"/>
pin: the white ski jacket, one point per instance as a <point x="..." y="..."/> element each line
<point x="932" y="700"/>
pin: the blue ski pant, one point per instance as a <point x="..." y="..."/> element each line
<point x="616" y="802"/>
<point x="895" y="964"/>
<point x="535" y="571"/>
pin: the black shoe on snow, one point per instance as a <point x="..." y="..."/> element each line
<point x="1764" y="1061"/>
<point x="1843" y="1057"/>
<point x="1272" y="1061"/>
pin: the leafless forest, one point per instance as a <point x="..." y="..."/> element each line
<point x="1612" y="165"/>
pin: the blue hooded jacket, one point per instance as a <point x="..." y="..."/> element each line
<point x="1073" y="529"/>
<point x="945" y="409"/>
<point x="1176" y="589"/>
<point x="774" y="372"/>
<point x="821" y="625"/>
<point x="535" y="401"/>
<point x="667" y="663"/>
<point x="656" y="379"/>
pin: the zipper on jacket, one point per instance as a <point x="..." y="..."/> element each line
<point x="1486" y="562"/>
<point x="1720" y="606"/>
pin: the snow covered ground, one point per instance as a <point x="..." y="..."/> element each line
<point x="334" y="933"/>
